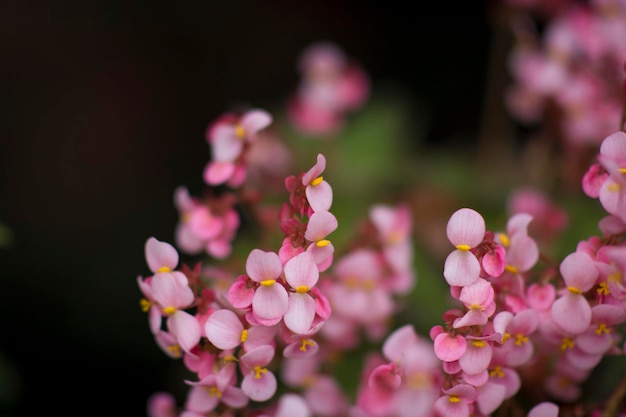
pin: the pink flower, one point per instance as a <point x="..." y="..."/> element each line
<point x="301" y="274"/>
<point x="465" y="230"/>
<point x="544" y="409"/>
<point x="479" y="300"/>
<point x="456" y="401"/>
<point x="225" y="330"/>
<point x="571" y="312"/>
<point x="517" y="349"/>
<point x="319" y="193"/>
<point x="160" y="256"/>
<point x="259" y="383"/>
<point x="449" y="348"/>
<point x="270" y="300"/>
<point x="216" y="388"/>
<point x="228" y="136"/>
<point x="599" y="337"/>
<point x="162" y="404"/>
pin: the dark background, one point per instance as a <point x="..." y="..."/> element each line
<point x="104" y="106"/>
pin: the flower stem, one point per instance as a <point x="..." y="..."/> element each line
<point x="615" y="399"/>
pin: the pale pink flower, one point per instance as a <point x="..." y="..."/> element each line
<point x="270" y="300"/>
<point x="160" y="256"/>
<point x="477" y="355"/>
<point x="517" y="348"/>
<point x="318" y="191"/>
<point x="216" y="388"/>
<point x="456" y="401"/>
<point x="292" y="405"/>
<point x="228" y="136"/>
<point x="301" y="274"/>
<point x="449" y="348"/>
<point x="599" y="337"/>
<point x="571" y="311"/>
<point x="225" y="330"/>
<point x="465" y="230"/>
<point x="478" y="298"/>
<point x="544" y="409"/>
<point x="162" y="404"/>
<point x="259" y="383"/>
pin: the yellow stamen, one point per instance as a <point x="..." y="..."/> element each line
<point x="504" y="239"/>
<point x="244" y="335"/>
<point x="175" y="349"/>
<point x="622" y="170"/>
<point x="304" y="343"/>
<point x="268" y="282"/>
<point x="505" y="337"/>
<point x="230" y="358"/>
<point x="302" y="289"/>
<point x="240" y="132"/>
<point x="602" y="328"/>
<point x="258" y="371"/>
<point x="497" y="371"/>
<point x="567" y="343"/>
<point x="454" y="399"/>
<point x="574" y="290"/>
<point x="308" y="381"/>
<point x="614" y="187"/>
<point x="322" y="243"/>
<point x="519" y="339"/>
<point x="512" y="269"/>
<point x="476" y="307"/>
<point x="317" y="180"/>
<point x="368" y="284"/>
<point x="394" y="237"/>
<point x="145" y="305"/>
<point x="463" y="247"/>
<point x="603" y="289"/>
<point x="351" y="283"/>
<point x="164" y="269"/>
<point x="479" y="343"/>
<point x="614" y="277"/>
<point x="214" y="392"/>
<point x="169" y="310"/>
<point x="419" y="380"/>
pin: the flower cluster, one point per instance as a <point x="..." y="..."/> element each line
<point x="572" y="68"/>
<point x="331" y="86"/>
<point x="263" y="335"/>
<point x="273" y="309"/>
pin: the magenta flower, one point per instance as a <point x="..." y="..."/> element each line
<point x="465" y="230"/>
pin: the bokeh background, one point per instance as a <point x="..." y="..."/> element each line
<point x="104" y="107"/>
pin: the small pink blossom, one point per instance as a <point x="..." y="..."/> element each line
<point x="465" y="230"/>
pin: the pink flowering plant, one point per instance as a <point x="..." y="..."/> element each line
<point x="298" y="294"/>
